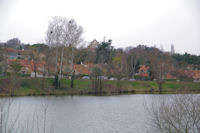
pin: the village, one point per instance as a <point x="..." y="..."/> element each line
<point x="99" y="66"/>
<point x="33" y="68"/>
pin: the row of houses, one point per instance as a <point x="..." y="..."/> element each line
<point x="18" y="54"/>
<point x="30" y="67"/>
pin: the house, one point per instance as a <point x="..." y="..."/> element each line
<point x="143" y="72"/>
<point x="170" y="76"/>
<point x="12" y="53"/>
<point x="188" y="72"/>
<point x="79" y="69"/>
<point x="83" y="68"/>
<point x="18" y="54"/>
<point x="93" y="45"/>
<point x="29" y="66"/>
<point x="196" y="74"/>
<point x="24" y="54"/>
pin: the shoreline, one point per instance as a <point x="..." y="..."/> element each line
<point x="36" y="87"/>
<point x="98" y="94"/>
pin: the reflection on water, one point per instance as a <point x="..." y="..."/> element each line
<point x="86" y="114"/>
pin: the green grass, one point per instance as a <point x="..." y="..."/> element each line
<point x="35" y="86"/>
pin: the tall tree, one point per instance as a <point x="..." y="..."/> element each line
<point x="1" y="59"/>
<point x="5" y="59"/>
<point x="54" y="37"/>
<point x="13" y="43"/>
<point x="159" y="67"/>
<point x="63" y="32"/>
<point x="104" y="52"/>
<point x="14" y="80"/>
<point x="180" y="114"/>
<point x="35" y="59"/>
<point x="132" y="57"/>
<point x="73" y="34"/>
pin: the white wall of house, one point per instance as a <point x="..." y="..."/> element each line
<point x="37" y="75"/>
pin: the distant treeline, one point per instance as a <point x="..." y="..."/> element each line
<point x="187" y="58"/>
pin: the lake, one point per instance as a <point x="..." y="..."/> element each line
<point x="82" y="114"/>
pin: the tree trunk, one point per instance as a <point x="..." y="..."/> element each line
<point x="56" y="69"/>
<point x="56" y="82"/>
<point x="43" y="78"/>
<point x="47" y="63"/>
<point x="1" y="121"/>
<point x="48" y="70"/>
<point x="6" y="57"/>
<point x="160" y="87"/>
<point x="134" y="66"/>
<point x="72" y="81"/>
<point x="72" y="78"/>
<point x="161" y="79"/>
<point x="100" y="87"/>
<point x="35" y="68"/>
<point x="61" y="62"/>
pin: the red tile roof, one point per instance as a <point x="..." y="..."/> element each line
<point x="143" y="71"/>
<point x="11" y="50"/>
<point x="21" y="52"/>
<point x="24" y="52"/>
<point x="169" y="76"/>
<point x="83" y="68"/>
<point x="28" y="64"/>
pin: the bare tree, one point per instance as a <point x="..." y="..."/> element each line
<point x="5" y="59"/>
<point x="64" y="32"/>
<point x="133" y="58"/>
<point x="13" y="43"/>
<point x="177" y="114"/>
<point x="1" y="59"/>
<point x="7" y="124"/>
<point x="35" y="60"/>
<point x="97" y="82"/>
<point x="159" y="66"/>
<point x="14" y="79"/>
<point x="73" y="37"/>
<point x="54" y="37"/>
<point x="39" y="122"/>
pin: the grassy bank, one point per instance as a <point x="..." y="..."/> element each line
<point x="32" y="86"/>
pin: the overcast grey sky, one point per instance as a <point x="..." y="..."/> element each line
<point x="126" y="22"/>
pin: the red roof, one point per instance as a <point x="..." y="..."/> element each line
<point x="24" y="52"/>
<point x="83" y="68"/>
<point x="11" y="50"/>
<point x="21" y="52"/>
<point x="169" y="76"/>
<point x="194" y="74"/>
<point x="143" y="71"/>
<point x="28" y="64"/>
<point x="144" y="68"/>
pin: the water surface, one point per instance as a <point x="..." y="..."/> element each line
<point x="86" y="114"/>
